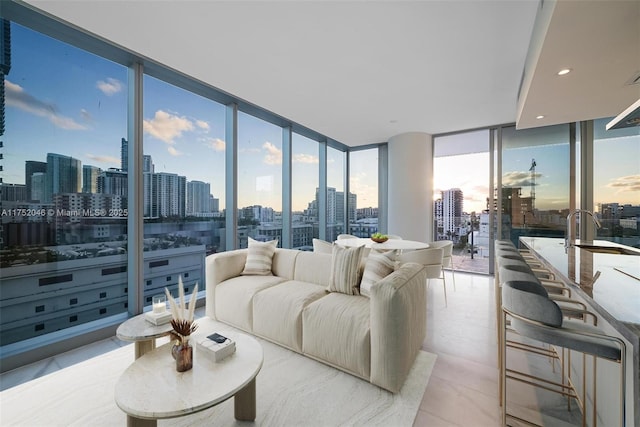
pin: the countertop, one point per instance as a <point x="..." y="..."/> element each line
<point x="611" y="281"/>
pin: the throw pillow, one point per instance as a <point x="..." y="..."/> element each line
<point x="259" y="258"/>
<point x="379" y="265"/>
<point x="320" y="246"/>
<point x="345" y="271"/>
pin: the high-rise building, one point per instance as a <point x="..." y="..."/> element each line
<point x="64" y="175"/>
<point x="124" y="154"/>
<point x="37" y="186"/>
<point x="90" y="178"/>
<point x="31" y="167"/>
<point x="113" y="181"/>
<point x="198" y="194"/>
<point x="168" y="195"/>
<point x="13" y="192"/>
<point x="452" y="201"/>
<point x="147" y="184"/>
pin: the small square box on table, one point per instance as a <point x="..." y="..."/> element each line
<point x="216" y="351"/>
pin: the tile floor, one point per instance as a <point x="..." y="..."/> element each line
<point x="463" y="389"/>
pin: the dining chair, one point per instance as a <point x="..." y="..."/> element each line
<point x="431" y="258"/>
<point x="447" y="258"/>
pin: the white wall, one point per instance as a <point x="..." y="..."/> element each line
<point x="410" y="198"/>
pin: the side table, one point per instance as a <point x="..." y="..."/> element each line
<point x="142" y="332"/>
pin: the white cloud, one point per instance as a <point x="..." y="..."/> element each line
<point x="16" y="96"/>
<point x="202" y="125"/>
<point x="86" y="116"/>
<point x="625" y="183"/>
<point x="166" y="127"/>
<point x="274" y="154"/>
<point x="216" y="144"/>
<point x="110" y="86"/>
<point x="519" y="179"/>
<point x="104" y="159"/>
<point x="173" y="151"/>
<point x="305" y="158"/>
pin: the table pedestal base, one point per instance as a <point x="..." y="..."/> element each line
<point x="139" y="422"/>
<point x="244" y="403"/>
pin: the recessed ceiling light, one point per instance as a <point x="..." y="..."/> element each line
<point x="539" y="117"/>
<point x="564" y="71"/>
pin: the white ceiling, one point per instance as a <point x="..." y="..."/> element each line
<point x="359" y="72"/>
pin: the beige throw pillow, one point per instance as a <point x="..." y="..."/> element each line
<point x="379" y="265"/>
<point x="259" y="258"/>
<point x="345" y="269"/>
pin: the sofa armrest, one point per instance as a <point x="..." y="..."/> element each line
<point x="398" y="321"/>
<point x="220" y="267"/>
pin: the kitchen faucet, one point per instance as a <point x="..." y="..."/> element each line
<point x="570" y="237"/>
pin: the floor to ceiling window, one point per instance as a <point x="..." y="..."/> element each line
<point x="461" y="191"/>
<point x="616" y="182"/>
<point x="259" y="180"/>
<point x="535" y="182"/>
<point x="304" y="191"/>
<point x="64" y="187"/>
<point x="335" y="194"/>
<point x="183" y="184"/>
<point x="362" y="201"/>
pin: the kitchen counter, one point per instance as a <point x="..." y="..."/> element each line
<point x="611" y="281"/>
<point x="609" y="284"/>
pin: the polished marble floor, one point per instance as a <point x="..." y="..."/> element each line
<point x="463" y="388"/>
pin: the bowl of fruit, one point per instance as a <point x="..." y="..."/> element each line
<point x="379" y="237"/>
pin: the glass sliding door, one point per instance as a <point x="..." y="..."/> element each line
<point x="461" y="171"/>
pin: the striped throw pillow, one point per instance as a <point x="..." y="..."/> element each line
<point x="259" y="258"/>
<point x="379" y="265"/>
<point x="345" y="269"/>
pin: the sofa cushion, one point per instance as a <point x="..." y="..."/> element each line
<point x="345" y="270"/>
<point x="277" y="311"/>
<point x="378" y="266"/>
<point x="336" y="330"/>
<point x="284" y="262"/>
<point x="234" y="298"/>
<point x="322" y="247"/>
<point x="313" y="268"/>
<point x="259" y="257"/>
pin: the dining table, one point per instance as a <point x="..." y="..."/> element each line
<point x="390" y="244"/>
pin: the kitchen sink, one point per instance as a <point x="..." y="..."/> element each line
<point x="614" y="250"/>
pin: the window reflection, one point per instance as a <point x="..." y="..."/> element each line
<point x="63" y="188"/>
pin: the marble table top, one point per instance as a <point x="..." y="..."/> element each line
<point x="139" y="329"/>
<point x="151" y="388"/>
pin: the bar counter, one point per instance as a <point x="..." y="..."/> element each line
<point x="609" y="284"/>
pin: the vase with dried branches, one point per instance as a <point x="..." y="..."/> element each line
<point x="183" y="326"/>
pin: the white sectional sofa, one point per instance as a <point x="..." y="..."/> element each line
<point x="374" y="338"/>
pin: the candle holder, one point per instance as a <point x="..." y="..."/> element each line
<point x="159" y="304"/>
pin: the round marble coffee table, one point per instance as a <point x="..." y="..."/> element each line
<point x="152" y="389"/>
<point x="142" y="332"/>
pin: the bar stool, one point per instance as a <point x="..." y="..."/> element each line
<point x="533" y="315"/>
